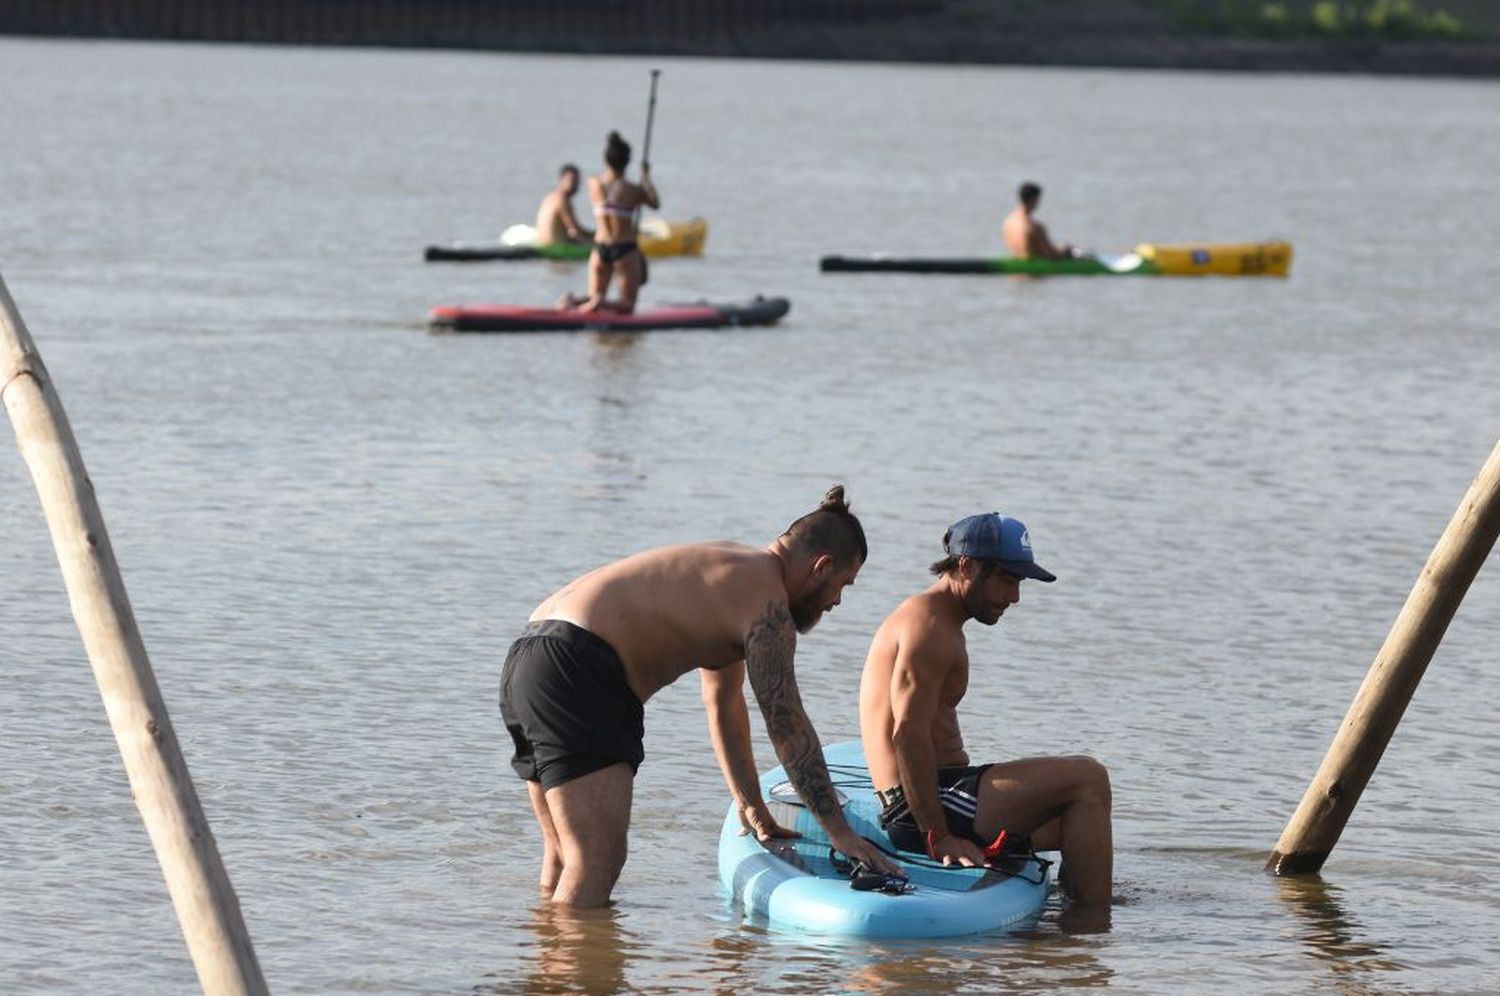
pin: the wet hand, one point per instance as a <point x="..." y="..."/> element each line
<point x="951" y="850"/>
<point x="854" y="846"/>
<point x="756" y="818"/>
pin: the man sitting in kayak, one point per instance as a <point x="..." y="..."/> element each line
<point x="935" y="802"/>
<point x="574" y="684"/>
<point x="1026" y="237"/>
<point x="555" y="220"/>
<point x="617" y="203"/>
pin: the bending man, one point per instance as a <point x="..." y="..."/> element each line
<point x="573" y="687"/>
<point x="915" y="676"/>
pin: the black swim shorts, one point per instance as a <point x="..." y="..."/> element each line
<point x="958" y="790"/>
<point x="567" y="705"/>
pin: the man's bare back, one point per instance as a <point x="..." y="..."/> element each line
<point x="1027" y="238"/>
<point x="670" y="610"/>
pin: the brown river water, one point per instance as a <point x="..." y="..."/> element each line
<point x="332" y="522"/>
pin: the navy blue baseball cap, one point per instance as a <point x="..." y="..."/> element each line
<point x="999" y="538"/>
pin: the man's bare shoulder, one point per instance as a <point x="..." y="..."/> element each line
<point x="918" y="618"/>
<point x="716" y="586"/>
<point x="726" y="552"/>
<point x="714" y="555"/>
<point x="713" y="562"/>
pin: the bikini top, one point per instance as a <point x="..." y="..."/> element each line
<point x="614" y="207"/>
<point x="618" y="210"/>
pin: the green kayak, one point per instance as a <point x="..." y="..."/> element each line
<point x="1084" y="266"/>
<point x="1237" y="259"/>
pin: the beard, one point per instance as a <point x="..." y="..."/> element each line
<point x="806" y="611"/>
<point x="979" y="609"/>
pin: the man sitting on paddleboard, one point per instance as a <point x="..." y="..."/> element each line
<point x="555" y="220"/>
<point x="574" y="684"/>
<point x="1026" y="237"/>
<point x="617" y="204"/>
<point x="936" y="802"/>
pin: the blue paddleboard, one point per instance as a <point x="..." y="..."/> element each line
<point x="799" y="885"/>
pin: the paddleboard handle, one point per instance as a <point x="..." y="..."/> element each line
<point x="996" y="847"/>
<point x="863" y="878"/>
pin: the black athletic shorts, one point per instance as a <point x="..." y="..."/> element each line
<point x="567" y="705"/>
<point x="958" y="790"/>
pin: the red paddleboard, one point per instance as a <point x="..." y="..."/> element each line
<point x="517" y="318"/>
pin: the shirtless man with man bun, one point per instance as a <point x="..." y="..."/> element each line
<point x="573" y="687"/>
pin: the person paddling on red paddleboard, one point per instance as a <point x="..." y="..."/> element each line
<point x="617" y="203"/>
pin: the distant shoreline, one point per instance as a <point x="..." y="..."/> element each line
<point x="914" y="31"/>
<point x="1480" y="59"/>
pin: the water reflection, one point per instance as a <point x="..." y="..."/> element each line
<point x="1330" y="934"/>
<point x="575" y="951"/>
<point x="728" y="956"/>
<point x="1008" y="964"/>
<point x="614" y="423"/>
<point x="1079" y="920"/>
<point x="1065" y="962"/>
<point x="917" y="974"/>
<point x="1012" y="962"/>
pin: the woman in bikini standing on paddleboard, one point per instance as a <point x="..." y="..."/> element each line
<point x="617" y="203"/>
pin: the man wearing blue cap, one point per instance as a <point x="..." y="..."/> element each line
<point x="917" y="671"/>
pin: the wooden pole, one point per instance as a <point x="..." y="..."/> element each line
<point x="204" y="899"/>
<point x="1314" y="829"/>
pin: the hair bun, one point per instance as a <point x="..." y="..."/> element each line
<point x="834" y="501"/>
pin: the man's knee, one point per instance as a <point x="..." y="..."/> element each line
<point x="1092" y="779"/>
<point x="602" y="864"/>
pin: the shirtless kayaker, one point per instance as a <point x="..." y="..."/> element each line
<point x="936" y="802"/>
<point x="1026" y="237"/>
<point x="574" y="684"/>
<point x="617" y="203"/>
<point x="555" y="220"/>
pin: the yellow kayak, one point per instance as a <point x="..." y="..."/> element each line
<point x="1224" y="259"/>
<point x="658" y="237"/>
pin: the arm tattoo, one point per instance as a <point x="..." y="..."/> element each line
<point x="769" y="647"/>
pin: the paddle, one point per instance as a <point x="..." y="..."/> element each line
<point x="650" y="119"/>
<point x="646" y="146"/>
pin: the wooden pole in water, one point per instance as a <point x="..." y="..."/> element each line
<point x="207" y="908"/>
<point x="1314" y="829"/>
